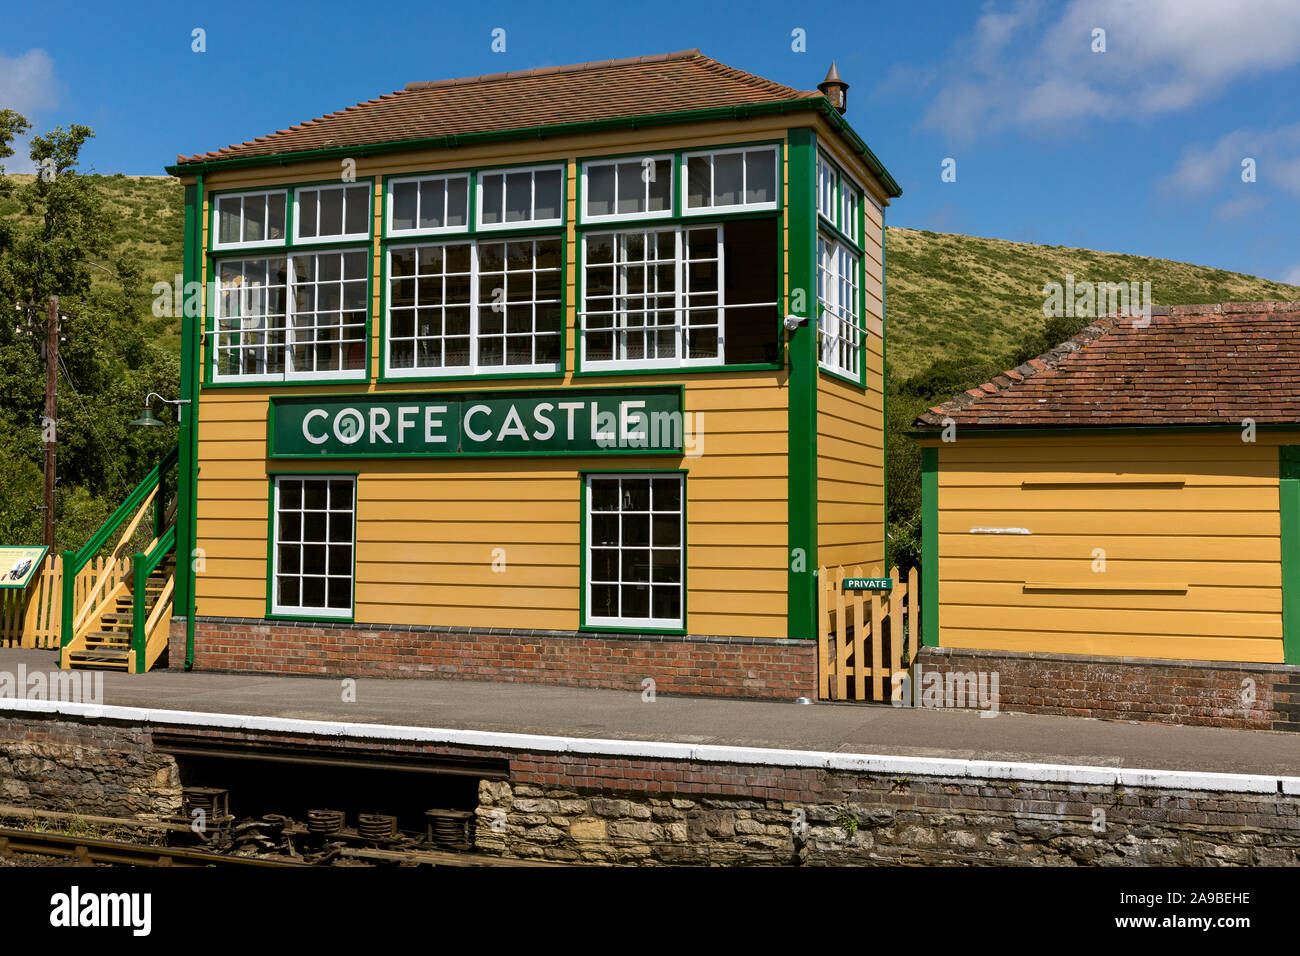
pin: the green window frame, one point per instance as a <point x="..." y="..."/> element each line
<point x="311" y="546"/>
<point x="634" y="550"/>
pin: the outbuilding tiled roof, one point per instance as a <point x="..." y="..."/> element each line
<point x="498" y="102"/>
<point x="1191" y="365"/>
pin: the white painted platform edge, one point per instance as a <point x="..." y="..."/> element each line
<point x="947" y="768"/>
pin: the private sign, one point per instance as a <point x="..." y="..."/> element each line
<point x="643" y="420"/>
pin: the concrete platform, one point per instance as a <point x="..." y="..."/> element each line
<point x="622" y="715"/>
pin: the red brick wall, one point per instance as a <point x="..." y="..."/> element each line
<point x="1255" y="696"/>
<point x="738" y="667"/>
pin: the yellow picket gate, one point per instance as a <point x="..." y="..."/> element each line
<point x="32" y="617"/>
<point x="862" y="633"/>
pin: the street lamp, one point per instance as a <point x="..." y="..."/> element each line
<point x="147" y="415"/>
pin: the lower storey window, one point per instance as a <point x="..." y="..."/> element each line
<point x="839" y="323"/>
<point x="312" y="548"/>
<point x="635" y="556"/>
<point x="296" y="316"/>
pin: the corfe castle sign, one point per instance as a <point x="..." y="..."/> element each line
<point x="571" y="421"/>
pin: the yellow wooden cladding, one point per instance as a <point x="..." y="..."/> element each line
<point x="861" y="635"/>
<point x="427" y="530"/>
<point x="1151" y="545"/>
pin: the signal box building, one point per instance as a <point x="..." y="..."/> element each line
<point x="569" y="375"/>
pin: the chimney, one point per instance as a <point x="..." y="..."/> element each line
<point x="835" y="89"/>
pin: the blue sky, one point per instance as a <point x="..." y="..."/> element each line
<point x="1135" y="149"/>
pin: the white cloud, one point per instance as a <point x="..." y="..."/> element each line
<point x="1019" y="68"/>
<point x="1293" y="277"/>
<point x="27" y="85"/>
<point x="1203" y="169"/>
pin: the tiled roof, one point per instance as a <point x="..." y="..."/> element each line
<point x="498" y="102"/>
<point x="1192" y="365"/>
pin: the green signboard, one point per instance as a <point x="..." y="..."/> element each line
<point x="19" y="565"/>
<point x="638" y="420"/>
<point x="867" y="584"/>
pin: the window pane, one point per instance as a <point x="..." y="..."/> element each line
<point x="275" y="225"/>
<point x="457" y="213"/>
<point x="726" y="179"/>
<point x="307" y="214"/>
<point x="254" y="218"/>
<point x="493" y="198"/>
<point x="698" y="184"/>
<point x="404" y="199"/>
<point x="631" y="188"/>
<point x="431" y="204"/>
<point x="358" y="210"/>
<point x="546" y="188"/>
<point x="760" y="177"/>
<point x="331" y="212"/>
<point x="600" y="190"/>
<point x="661" y="187"/>
<point x="519" y="197"/>
<point x="228" y="219"/>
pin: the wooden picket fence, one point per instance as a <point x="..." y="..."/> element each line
<point x="33" y="617"/>
<point x="865" y="636"/>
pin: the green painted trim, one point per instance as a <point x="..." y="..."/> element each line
<point x="884" y="369"/>
<point x="1289" y="504"/>
<point x="968" y="431"/>
<point x="468" y="229"/>
<point x="658" y="222"/>
<point x="583" y="626"/>
<point x="291" y="190"/>
<point x="271" y="477"/>
<point x="188" y="464"/>
<point x="801" y="213"/>
<point x="817" y="104"/>
<point x="930" y="547"/>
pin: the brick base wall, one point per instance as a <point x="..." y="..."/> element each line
<point x="1205" y="693"/>
<point x="729" y="667"/>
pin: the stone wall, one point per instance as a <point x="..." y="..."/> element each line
<point x="1203" y="693"/>
<point x="104" y="771"/>
<point x="721" y="666"/>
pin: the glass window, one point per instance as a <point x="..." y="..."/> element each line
<point x="472" y="306"/>
<point x="733" y="179"/>
<point x="826" y="181"/>
<point x="428" y="204"/>
<point x="300" y="316"/>
<point x="635" y="556"/>
<point x="313" y="542"/>
<point x="850" y="208"/>
<point x="637" y="188"/>
<point x="249" y="219"/>
<point x="331" y="213"/>
<point x="520" y="197"/>
<point x="665" y="297"/>
<point x="839" y="323"/>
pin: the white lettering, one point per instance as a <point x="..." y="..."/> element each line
<point x="378" y="429"/>
<point x="544" y="420"/>
<point x="306" y="421"/>
<point x="517" y="428"/>
<point x="571" y="408"/>
<point x="430" y="423"/>
<point x="627" y="433"/>
<point x="470" y="413"/>
<point x="402" y="424"/>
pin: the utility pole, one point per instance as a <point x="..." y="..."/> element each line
<point x="48" y="424"/>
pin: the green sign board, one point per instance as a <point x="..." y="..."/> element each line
<point x="638" y="420"/>
<point x="19" y="565"/>
<point x="867" y="584"/>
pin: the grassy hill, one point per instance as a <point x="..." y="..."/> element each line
<point x="955" y="296"/>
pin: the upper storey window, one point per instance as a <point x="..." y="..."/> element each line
<point x="518" y="198"/>
<point x="243" y="220"/>
<point x="740" y="180"/>
<point x="331" y="213"/>
<point x="428" y="205"/>
<point x="632" y="188"/>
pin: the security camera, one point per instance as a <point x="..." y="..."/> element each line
<point x="793" y="322"/>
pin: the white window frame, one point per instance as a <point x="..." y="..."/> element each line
<point x="266" y="194"/>
<point x="299" y="240"/>
<point x="827" y="193"/>
<point x="742" y="206"/>
<point x="445" y="179"/>
<point x="474" y="367"/>
<point x="301" y="610"/>
<point x="641" y="622"/>
<point x="680" y="304"/>
<point x="836" y="330"/>
<point x="359" y="374"/>
<point x="616" y="217"/>
<point x="532" y="222"/>
<point x="850" y="209"/>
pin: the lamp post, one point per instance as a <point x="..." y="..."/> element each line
<point x="147" y="415"/>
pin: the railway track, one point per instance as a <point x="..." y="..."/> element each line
<point x="85" y="851"/>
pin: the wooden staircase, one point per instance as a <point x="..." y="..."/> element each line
<point x="108" y="647"/>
